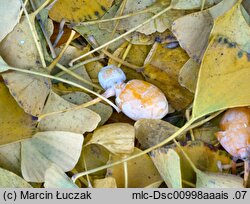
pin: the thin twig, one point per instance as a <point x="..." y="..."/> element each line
<point x="61" y="80"/>
<point x="38" y="17"/>
<point x="33" y="30"/>
<point x="81" y="64"/>
<point x="177" y="133"/>
<point x="121" y="36"/>
<point x="53" y="64"/>
<point x="115" y="18"/>
<point x="113" y="57"/>
<point x="68" y="71"/>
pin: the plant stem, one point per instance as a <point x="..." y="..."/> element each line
<point x="116" y="18"/>
<point x="62" y="80"/>
<point x="53" y="64"/>
<point x="113" y="57"/>
<point x="81" y="64"/>
<point x="68" y="71"/>
<point x="121" y="36"/>
<point x="205" y="120"/>
<point x="186" y="156"/>
<point x="33" y="32"/>
<point x="177" y="133"/>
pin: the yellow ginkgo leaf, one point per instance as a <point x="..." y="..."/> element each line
<point x="11" y="180"/>
<point x="18" y="48"/>
<point x="10" y="157"/>
<point x="233" y="26"/>
<point x="15" y="124"/>
<point x="151" y="132"/>
<point x="56" y="178"/>
<point x="77" y="11"/>
<point x="141" y="171"/>
<point x="78" y="98"/>
<point x="29" y="91"/>
<point x="162" y="68"/>
<point x="188" y="75"/>
<point x="193" y="30"/>
<point x="204" y="157"/>
<point x="93" y="156"/>
<point x="46" y="148"/>
<point x="168" y="164"/>
<point x="223" y="79"/>
<point x="79" y="120"/>
<point x="108" y="182"/>
<point x="118" y="138"/>
<point x="160" y="24"/>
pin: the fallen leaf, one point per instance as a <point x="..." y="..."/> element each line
<point x="151" y="132"/>
<point x="78" y="121"/>
<point x="118" y="138"/>
<point x="206" y="132"/>
<point x="141" y="171"/>
<point x="224" y="71"/>
<point x="9" y="16"/>
<point x="160" y="24"/>
<point x="18" y="48"/>
<point x="136" y="56"/>
<point x="169" y="166"/>
<point x="11" y="180"/>
<point x="101" y="36"/>
<point x="77" y="11"/>
<point x="101" y="109"/>
<point x="162" y="68"/>
<point x="108" y="182"/>
<point x="46" y="148"/>
<point x="94" y="156"/>
<point x="203" y="156"/>
<point x="218" y="180"/>
<point x="154" y="185"/>
<point x="10" y="157"/>
<point x="233" y="26"/>
<point x="193" y="30"/>
<point x="188" y="75"/>
<point x="192" y="4"/>
<point x="56" y="178"/>
<point x="15" y="124"/>
<point x="29" y="91"/>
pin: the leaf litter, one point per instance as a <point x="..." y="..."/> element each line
<point x="58" y="128"/>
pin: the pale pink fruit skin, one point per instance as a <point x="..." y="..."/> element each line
<point x="235" y="134"/>
<point x="141" y="100"/>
